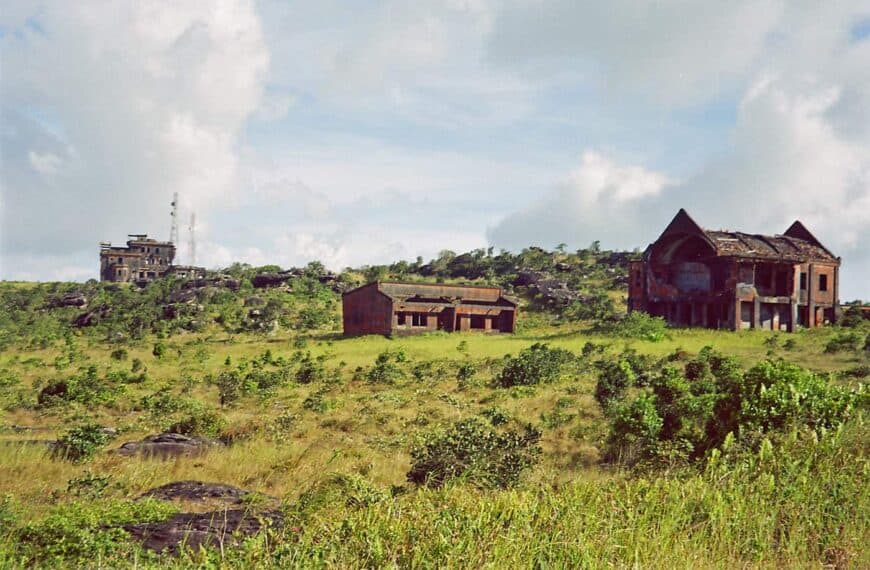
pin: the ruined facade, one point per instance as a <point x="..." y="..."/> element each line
<point x="143" y="259"/>
<point x="732" y="280"/>
<point x="391" y="308"/>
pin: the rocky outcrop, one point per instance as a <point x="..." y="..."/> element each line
<point x="92" y="316"/>
<point x="212" y="493"/>
<point x="75" y="299"/>
<point x="167" y="445"/>
<point x="224" y="528"/>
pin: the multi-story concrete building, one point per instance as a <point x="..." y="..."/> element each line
<point x="733" y="280"/>
<point x="143" y="259"/>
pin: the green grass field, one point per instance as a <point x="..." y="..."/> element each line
<point x="336" y="452"/>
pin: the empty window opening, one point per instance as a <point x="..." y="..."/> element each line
<point x="823" y="282"/>
<point x="478" y="321"/>
<point x="803" y="281"/>
<point x="418" y="319"/>
<point x="401" y="319"/>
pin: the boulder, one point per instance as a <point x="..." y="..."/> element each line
<point x="167" y="445"/>
<point x="270" y="279"/>
<point x="216" y="494"/>
<point x="194" y="530"/>
<point x="92" y="316"/>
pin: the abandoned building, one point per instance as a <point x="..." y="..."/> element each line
<point x="732" y="280"/>
<point x="142" y="259"/>
<point x="391" y="308"/>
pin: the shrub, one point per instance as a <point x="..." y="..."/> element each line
<point x="614" y="377"/>
<point x="688" y="413"/>
<point x="465" y="372"/>
<point x="82" y="442"/>
<point x="475" y="452"/>
<point x="538" y="364"/>
<point x="386" y="369"/>
<point x="120" y="354"/>
<point x="159" y="350"/>
<point x="85" y="388"/>
<point x="639" y="325"/>
<point x="204" y="422"/>
<point x="310" y="369"/>
<point x="847" y="341"/>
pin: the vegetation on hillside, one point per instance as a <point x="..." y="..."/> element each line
<point x="587" y="439"/>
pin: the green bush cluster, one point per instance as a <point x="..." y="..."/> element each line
<point x="474" y="452"/>
<point x="538" y="364"/>
<point x="86" y="388"/>
<point x="82" y="442"/>
<point x="682" y="414"/>
<point x="637" y="325"/>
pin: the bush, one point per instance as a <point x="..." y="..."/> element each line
<point x="688" y="413"/>
<point x="159" y="350"/>
<point x="538" y="364"/>
<point x="639" y="325"/>
<point x="847" y="341"/>
<point x="204" y="422"/>
<point x="386" y="369"/>
<point x="474" y="452"/>
<point x="120" y="354"/>
<point x="85" y="388"/>
<point x="614" y="377"/>
<point x="82" y="442"/>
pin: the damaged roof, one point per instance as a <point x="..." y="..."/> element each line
<point x="771" y="247"/>
<point x="438" y="293"/>
<point x="797" y="244"/>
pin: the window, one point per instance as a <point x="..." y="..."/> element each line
<point x="803" y="281"/>
<point x="401" y="319"/>
<point x="823" y="282"/>
<point x="418" y="319"/>
<point x="478" y="321"/>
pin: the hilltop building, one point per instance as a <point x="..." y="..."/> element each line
<point x="732" y="280"/>
<point x="142" y="260"/>
<point x="391" y="308"/>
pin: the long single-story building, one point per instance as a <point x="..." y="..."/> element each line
<point x="393" y="308"/>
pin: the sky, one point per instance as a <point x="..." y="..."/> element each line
<point x="367" y="132"/>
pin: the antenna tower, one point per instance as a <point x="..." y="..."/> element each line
<point x="173" y="232"/>
<point x="192" y="243"/>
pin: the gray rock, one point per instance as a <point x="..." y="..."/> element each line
<point x="195" y="530"/>
<point x="201" y="492"/>
<point x="167" y="445"/>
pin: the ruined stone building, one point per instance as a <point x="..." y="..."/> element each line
<point x="391" y="308"/>
<point x="733" y="280"/>
<point x="143" y="259"/>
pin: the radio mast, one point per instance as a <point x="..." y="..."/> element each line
<point x="192" y="243"/>
<point x="173" y="232"/>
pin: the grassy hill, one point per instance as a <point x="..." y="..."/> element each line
<point x="585" y="440"/>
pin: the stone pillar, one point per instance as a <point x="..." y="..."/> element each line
<point x="811" y="306"/>
<point x="793" y="307"/>
<point x="837" y="290"/>
<point x="756" y="313"/>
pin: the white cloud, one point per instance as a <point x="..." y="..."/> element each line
<point x="599" y="200"/>
<point x="128" y="103"/>
<point x="670" y="51"/>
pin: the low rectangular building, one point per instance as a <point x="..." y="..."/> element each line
<point x="392" y="308"/>
<point x="695" y="277"/>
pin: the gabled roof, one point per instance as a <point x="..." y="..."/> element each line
<point x="437" y="292"/>
<point x="797" y="244"/>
